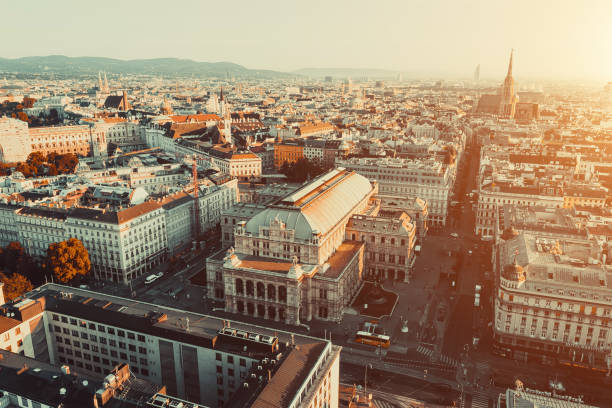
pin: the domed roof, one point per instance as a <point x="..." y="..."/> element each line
<point x="509" y="233"/>
<point x="514" y="272"/>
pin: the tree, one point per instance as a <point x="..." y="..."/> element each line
<point x="67" y="259"/>
<point x="15" y="285"/>
<point x="11" y="255"/>
<point x="66" y="163"/>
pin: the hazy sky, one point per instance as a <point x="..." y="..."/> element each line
<point x="560" y="38"/>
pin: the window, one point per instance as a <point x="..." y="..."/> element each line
<point x="242" y="362"/>
<point x="122" y="345"/>
<point x="230" y="372"/>
<point x="111" y="330"/>
<point x="73" y="322"/>
<point x="142" y="350"/>
<point x="120" y="333"/>
<point x="102" y="340"/>
<point x="144" y="372"/>
<point x="131" y="336"/>
<point x="143" y="361"/>
<point x="112" y="343"/>
<point x="141" y="338"/>
<point x="113" y="353"/>
<point x="123" y="356"/>
<point x="230" y="359"/>
<point x="101" y="328"/>
<point x="218" y="357"/>
<point x="219" y="369"/>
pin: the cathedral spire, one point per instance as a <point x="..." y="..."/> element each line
<point x="510" y="64"/>
<point x="221" y="96"/>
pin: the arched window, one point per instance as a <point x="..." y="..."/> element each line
<point x="261" y="310"/>
<point x="261" y="290"/>
<point x="240" y="305"/>
<point x="250" y="288"/>
<point x="282" y="294"/>
<point x="239" y="286"/>
<point x="271" y="292"/>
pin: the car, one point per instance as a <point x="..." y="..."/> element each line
<point x="83" y="286"/>
<point x="454" y="235"/>
<point x="153" y="277"/>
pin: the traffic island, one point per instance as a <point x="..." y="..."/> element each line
<point x="374" y="301"/>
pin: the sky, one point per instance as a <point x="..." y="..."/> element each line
<point x="552" y="39"/>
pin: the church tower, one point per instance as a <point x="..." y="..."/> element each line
<point x="508" y="97"/>
<point x="227" y="127"/>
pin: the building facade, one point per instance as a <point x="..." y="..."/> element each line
<point x="198" y="358"/>
<point x="389" y="245"/>
<point x="292" y="261"/>
<point x="429" y="180"/>
<point x="552" y="302"/>
<point x="15" y="142"/>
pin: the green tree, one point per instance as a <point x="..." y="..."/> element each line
<point x="15" y="285"/>
<point x="67" y="259"/>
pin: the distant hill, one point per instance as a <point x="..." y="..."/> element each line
<point x="157" y="66"/>
<point x="347" y="72"/>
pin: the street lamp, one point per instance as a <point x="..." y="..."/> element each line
<point x="365" y="380"/>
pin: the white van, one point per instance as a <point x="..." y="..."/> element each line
<point x="153" y="277"/>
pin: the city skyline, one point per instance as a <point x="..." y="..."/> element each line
<point x="436" y="39"/>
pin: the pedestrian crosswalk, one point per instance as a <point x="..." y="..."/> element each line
<point x="444" y="359"/>
<point x="480" y="400"/>
<point x="383" y="404"/>
<point x="426" y="351"/>
<point x="449" y="361"/>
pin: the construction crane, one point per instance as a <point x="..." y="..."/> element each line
<point x="196" y="190"/>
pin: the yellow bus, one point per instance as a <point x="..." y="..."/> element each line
<point x="373" y="339"/>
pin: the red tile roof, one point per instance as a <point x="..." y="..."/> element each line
<point x="194" y="118"/>
<point x="136" y="211"/>
<point x="6" y="324"/>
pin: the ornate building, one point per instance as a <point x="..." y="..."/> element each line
<point x="507" y="104"/>
<point x="553" y="301"/>
<point x="504" y="102"/>
<point x="292" y="261"/>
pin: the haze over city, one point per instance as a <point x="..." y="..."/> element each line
<point x="553" y="39"/>
<point x="281" y="204"/>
